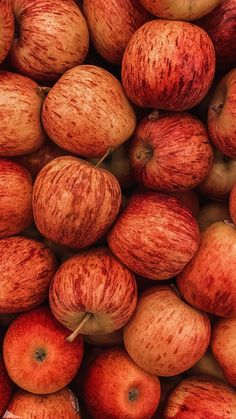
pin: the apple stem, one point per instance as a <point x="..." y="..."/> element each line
<point x="76" y="332"/>
<point x="105" y="155"/>
<point x="43" y="90"/>
<point x="144" y="153"/>
<point x="154" y="115"/>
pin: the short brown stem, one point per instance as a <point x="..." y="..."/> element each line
<point x="154" y="115"/>
<point x="76" y="332"/>
<point x="105" y="155"/>
<point x="144" y="154"/>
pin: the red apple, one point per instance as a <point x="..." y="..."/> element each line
<point x="63" y="404"/>
<point x="124" y="390"/>
<point x="211" y="213"/>
<point x="201" y="398"/>
<point x="86" y="112"/>
<point x="232" y="203"/>
<point x="208" y="282"/>
<point x="181" y="10"/>
<point x="21" y="100"/>
<point x="207" y="365"/>
<point x="5" y="387"/>
<point x="222" y="115"/>
<point x="7" y="28"/>
<point x="158" y="159"/>
<point x="26" y="269"/>
<point x="52" y="38"/>
<point x="223" y="346"/>
<point x="112" y="24"/>
<point x="95" y="286"/>
<point x="37" y="355"/>
<point x="168" y="65"/>
<point x="190" y="199"/>
<point x="109" y="339"/>
<point x="155" y="236"/>
<point x="165" y="336"/>
<point x="84" y="201"/>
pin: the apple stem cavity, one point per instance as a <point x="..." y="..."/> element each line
<point x="145" y="154"/>
<point x="76" y="332"/>
<point x="217" y="107"/>
<point x="109" y="150"/>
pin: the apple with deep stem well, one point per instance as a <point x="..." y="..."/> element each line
<point x="5" y="387"/>
<point x="7" y="28"/>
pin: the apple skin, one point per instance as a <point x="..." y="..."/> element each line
<point x="87" y="112"/>
<point x="16" y="189"/>
<point x="93" y="282"/>
<point x="20" y="125"/>
<point x="190" y="199"/>
<point x="52" y="38"/>
<point x="176" y="83"/>
<point x="86" y="201"/>
<point x="211" y="213"/>
<point x="112" y="24"/>
<point x="232" y="204"/>
<point x="208" y="281"/>
<point x="107" y="340"/>
<point x="222" y="115"/>
<point x="62" y="404"/>
<point x="37" y="356"/>
<point x="182" y="10"/>
<point x="165" y="336"/>
<point x="201" y="397"/>
<point x="154" y="153"/>
<point x="7" y="28"/>
<point x="5" y="387"/>
<point x="155" y="236"/>
<point x="223" y="343"/>
<point x="26" y="270"/>
<point x="129" y="392"/>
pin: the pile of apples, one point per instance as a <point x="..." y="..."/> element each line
<point x="118" y="209"/>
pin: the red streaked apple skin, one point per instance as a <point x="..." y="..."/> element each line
<point x="94" y="282"/>
<point x="232" y="204"/>
<point x="165" y="336"/>
<point x="190" y="199"/>
<point x="16" y="189"/>
<point x="86" y="201"/>
<point x="26" y="270"/>
<point x="200" y="398"/>
<point x="7" y="28"/>
<point x="34" y="331"/>
<point x="155" y="236"/>
<point x="87" y="112"/>
<point x="53" y="37"/>
<point x="208" y="282"/>
<point x="5" y="387"/>
<point x="168" y="65"/>
<point x="154" y="152"/>
<point x="113" y="395"/>
<point x="223" y="343"/>
<point x="222" y="115"/>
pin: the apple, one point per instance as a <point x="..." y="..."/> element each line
<point x="201" y="397"/>
<point x="84" y="201"/>
<point x="16" y="189"/>
<point x="208" y="281"/>
<point x="92" y="293"/>
<point x="190" y="199"/>
<point x="112" y="24"/>
<point x="221" y="115"/>
<point x="155" y="236"/>
<point x="21" y="101"/>
<point x="166" y="336"/>
<point x="223" y="343"/>
<point x="37" y="356"/>
<point x="211" y="213"/>
<point x="220" y="26"/>
<point x="181" y="10"/>
<point x="124" y="390"/>
<point x="5" y="387"/>
<point x="87" y="113"/>
<point x="221" y="178"/>
<point x="158" y="159"/>
<point x="232" y="203"/>
<point x="168" y="65"/>
<point x="50" y="40"/>
<point x="207" y="365"/>
<point x="7" y="28"/>
<point x="61" y="404"/>
<point x="26" y="270"/>
<point x="109" y="339"/>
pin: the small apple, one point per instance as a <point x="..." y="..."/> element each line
<point x="211" y="213"/>
<point x="5" y="387"/>
<point x="232" y="203"/>
<point x="7" y="28"/>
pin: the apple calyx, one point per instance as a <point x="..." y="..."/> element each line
<point x="42" y="91"/>
<point x="154" y="115"/>
<point x="109" y="150"/>
<point x="133" y="395"/>
<point x="76" y="332"/>
<point x="217" y="107"/>
<point x="40" y="355"/>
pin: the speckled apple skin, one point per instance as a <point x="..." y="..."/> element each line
<point x="5" y="387"/>
<point x="232" y="204"/>
<point x="201" y="397"/>
<point x="74" y="202"/>
<point x="155" y="236"/>
<point x="39" y="329"/>
<point x="16" y="189"/>
<point x="26" y="269"/>
<point x="168" y="65"/>
<point x="208" y="282"/>
<point x="95" y="282"/>
<point x="62" y="404"/>
<point x="111" y="398"/>
<point x="20" y="110"/>
<point x="86" y="112"/>
<point x="53" y="37"/>
<point x="165" y="336"/>
<point x="7" y="28"/>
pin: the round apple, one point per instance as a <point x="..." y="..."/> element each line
<point x="7" y="28"/>
<point x="5" y="387"/>
<point x="190" y="199"/>
<point x="211" y="213"/>
<point x="168" y="65"/>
